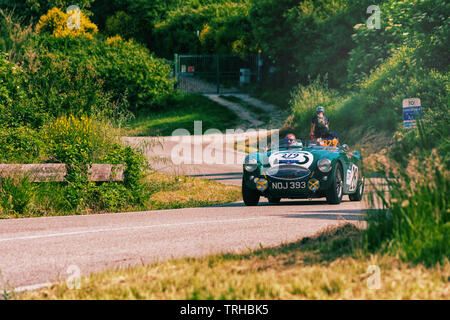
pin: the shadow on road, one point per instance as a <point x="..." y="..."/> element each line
<point x="298" y="203"/>
<point x="336" y="216"/>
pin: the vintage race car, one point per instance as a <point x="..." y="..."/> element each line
<point x="296" y="171"/>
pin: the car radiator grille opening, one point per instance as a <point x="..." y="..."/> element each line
<point x="287" y="172"/>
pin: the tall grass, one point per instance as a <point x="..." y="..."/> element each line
<point x="415" y="221"/>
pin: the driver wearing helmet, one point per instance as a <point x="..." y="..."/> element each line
<point x="320" y="124"/>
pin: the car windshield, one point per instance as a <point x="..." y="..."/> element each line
<point x="285" y="145"/>
<point x="326" y="143"/>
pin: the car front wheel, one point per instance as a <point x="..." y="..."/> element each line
<point x="250" y="196"/>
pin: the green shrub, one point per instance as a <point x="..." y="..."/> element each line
<point x="21" y="145"/>
<point x="413" y="23"/>
<point x="16" y="109"/>
<point x="122" y="68"/>
<point x="128" y="67"/>
<point x="64" y="86"/>
<point x="74" y="140"/>
<point x="111" y="197"/>
<point x="82" y="141"/>
<point x="223" y="28"/>
<point x="121" y="23"/>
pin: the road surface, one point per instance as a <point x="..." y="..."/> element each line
<point x="37" y="251"/>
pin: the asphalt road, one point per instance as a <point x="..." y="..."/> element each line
<point x="36" y="251"/>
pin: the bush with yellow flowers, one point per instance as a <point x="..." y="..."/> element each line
<point x="61" y="24"/>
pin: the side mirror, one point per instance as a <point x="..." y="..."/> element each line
<point x="345" y="147"/>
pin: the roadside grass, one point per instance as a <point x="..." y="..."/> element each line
<point x="330" y="265"/>
<point x="164" y="191"/>
<point x="415" y="222"/>
<point x="180" y="112"/>
<point x="172" y="192"/>
<point x="260" y="114"/>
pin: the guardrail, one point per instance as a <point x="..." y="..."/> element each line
<point x="57" y="171"/>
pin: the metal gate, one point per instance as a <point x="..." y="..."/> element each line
<point x="217" y="73"/>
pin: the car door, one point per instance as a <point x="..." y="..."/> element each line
<point x="351" y="171"/>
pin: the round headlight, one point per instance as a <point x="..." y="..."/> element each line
<point x="251" y="165"/>
<point x="324" y="165"/>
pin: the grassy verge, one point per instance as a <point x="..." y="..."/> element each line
<point x="163" y="191"/>
<point x="170" y="192"/>
<point x="180" y="112"/>
<point x="330" y="265"/>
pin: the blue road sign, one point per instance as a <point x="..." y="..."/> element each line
<point x="411" y="112"/>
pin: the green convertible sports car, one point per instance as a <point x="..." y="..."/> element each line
<point x="295" y="171"/>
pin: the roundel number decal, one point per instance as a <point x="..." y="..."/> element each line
<point x="302" y="158"/>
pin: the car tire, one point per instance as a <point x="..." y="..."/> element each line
<point x="334" y="194"/>
<point x="357" y="196"/>
<point x="274" y="200"/>
<point x="250" y="196"/>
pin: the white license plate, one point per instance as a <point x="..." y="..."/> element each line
<point x="288" y="185"/>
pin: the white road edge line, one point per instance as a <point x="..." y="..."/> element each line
<point x="51" y="235"/>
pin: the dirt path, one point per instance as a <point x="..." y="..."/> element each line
<point x="275" y="115"/>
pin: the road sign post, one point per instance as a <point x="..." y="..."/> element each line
<point x="412" y="111"/>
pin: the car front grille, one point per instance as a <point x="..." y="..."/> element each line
<point x="287" y="172"/>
